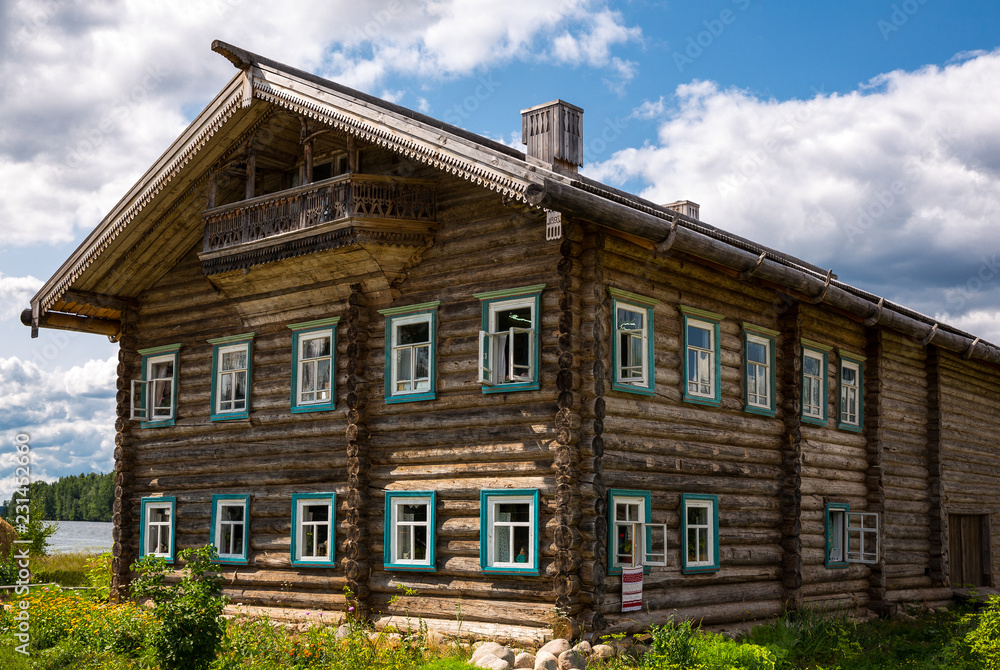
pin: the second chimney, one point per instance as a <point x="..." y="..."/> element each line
<point x="554" y="134"/>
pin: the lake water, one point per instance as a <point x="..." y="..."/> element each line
<point x="81" y="536"/>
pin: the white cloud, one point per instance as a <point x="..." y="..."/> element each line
<point x="68" y="415"/>
<point x="15" y="292"/>
<point x="649" y="109"/>
<point x="896" y="186"/>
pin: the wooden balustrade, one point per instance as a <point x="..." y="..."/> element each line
<point x="351" y="196"/>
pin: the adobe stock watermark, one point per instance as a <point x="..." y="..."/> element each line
<point x="90" y="139"/>
<point x="750" y="162"/>
<point x="987" y="272"/>
<point x="380" y="20"/>
<point x="885" y="198"/>
<point x="899" y="16"/>
<point x="29" y="30"/>
<point x="714" y="28"/>
<point x="22" y="520"/>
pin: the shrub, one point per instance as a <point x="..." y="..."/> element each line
<point x="188" y="613"/>
<point x="984" y="640"/>
<point x="673" y="644"/>
<point x="32" y="526"/>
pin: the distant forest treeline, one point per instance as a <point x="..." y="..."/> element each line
<point x="83" y="497"/>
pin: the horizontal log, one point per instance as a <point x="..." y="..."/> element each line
<point x="80" y="324"/>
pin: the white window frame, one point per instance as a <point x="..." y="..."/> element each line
<point x="862" y="537"/>
<point x="218" y="535"/>
<point x="713" y="347"/>
<point x="302" y="361"/>
<point x="161" y="527"/>
<point x="709" y="532"/>
<point x="141" y="402"/>
<point x="491" y="343"/>
<point x="641" y="334"/>
<point x="642" y="533"/>
<point x="491" y="535"/>
<point x="300" y="530"/>
<point x="394" y="348"/>
<point x="766" y="342"/>
<point x="808" y="409"/>
<point x="847" y="405"/>
<point x="396" y="525"/>
<point x="836" y="518"/>
<point x="220" y="372"/>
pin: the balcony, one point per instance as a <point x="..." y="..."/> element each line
<point x="340" y="212"/>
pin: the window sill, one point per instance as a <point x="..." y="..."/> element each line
<point x="302" y="409"/>
<point x="837" y="566"/>
<point x="232" y="561"/>
<point x="511" y="571"/>
<point x="313" y="564"/>
<point x="616" y="570"/>
<point x="708" y="402"/>
<point x="760" y="411"/>
<point x="507" y="388"/>
<point x="157" y="424"/>
<point x="236" y="416"/>
<point x="702" y="569"/>
<point x="814" y="421"/>
<point x="629" y="388"/>
<point x="409" y="568"/>
<point x="850" y="427"/>
<point x="416" y="397"/>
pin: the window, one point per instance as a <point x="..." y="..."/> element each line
<point x="231" y="359"/>
<point x="313" y="372"/>
<point x="851" y="537"/>
<point x="633" y="540"/>
<point x="814" y="382"/>
<point x="758" y="354"/>
<point x="699" y="532"/>
<point x="231" y="527"/>
<point x="702" y="371"/>
<point x="508" y="341"/>
<point x="632" y="347"/>
<point x="313" y="529"/>
<point x="154" y="397"/>
<point x="509" y="531"/>
<point x="156" y="534"/>
<point x="851" y="392"/>
<point x="410" y="337"/>
<point x="409" y="530"/>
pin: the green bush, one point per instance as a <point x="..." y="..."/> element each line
<point x="717" y="652"/>
<point x="984" y="640"/>
<point x="673" y="644"/>
<point x="36" y="530"/>
<point x="189" y="613"/>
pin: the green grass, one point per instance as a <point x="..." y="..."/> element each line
<point x="64" y="569"/>
<point x="69" y="630"/>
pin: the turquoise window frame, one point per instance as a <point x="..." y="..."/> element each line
<point x="329" y="562"/>
<point x="831" y="536"/>
<point x="148" y="355"/>
<point x="752" y="331"/>
<point x="635" y="303"/>
<point x="822" y="351"/>
<point x="648" y="518"/>
<point x="714" y="320"/>
<point x="242" y="499"/>
<point x="700" y="497"/>
<point x="311" y="328"/>
<point x="144" y="504"/>
<point x="486" y="498"/>
<point x="428" y="310"/>
<point x="859" y="361"/>
<point x="491" y="299"/>
<point x="218" y="344"/>
<point x="388" y="560"/>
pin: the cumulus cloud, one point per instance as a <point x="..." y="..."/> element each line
<point x="649" y="109"/>
<point x="92" y="95"/>
<point x="896" y="185"/>
<point x="15" y="292"/>
<point x="68" y="416"/>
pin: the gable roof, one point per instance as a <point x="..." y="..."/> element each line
<point x="150" y="228"/>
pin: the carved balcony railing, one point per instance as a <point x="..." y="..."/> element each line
<point x="372" y="201"/>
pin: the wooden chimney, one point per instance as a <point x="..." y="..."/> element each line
<point x="554" y="134"/>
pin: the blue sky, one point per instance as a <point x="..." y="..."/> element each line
<point x="862" y="136"/>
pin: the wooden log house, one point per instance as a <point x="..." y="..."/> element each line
<point x="362" y="349"/>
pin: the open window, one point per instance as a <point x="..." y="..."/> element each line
<point x="632" y="344"/>
<point x="633" y="540"/>
<point x="851" y="537"/>
<point x="509" y="340"/>
<point x="154" y="396"/>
